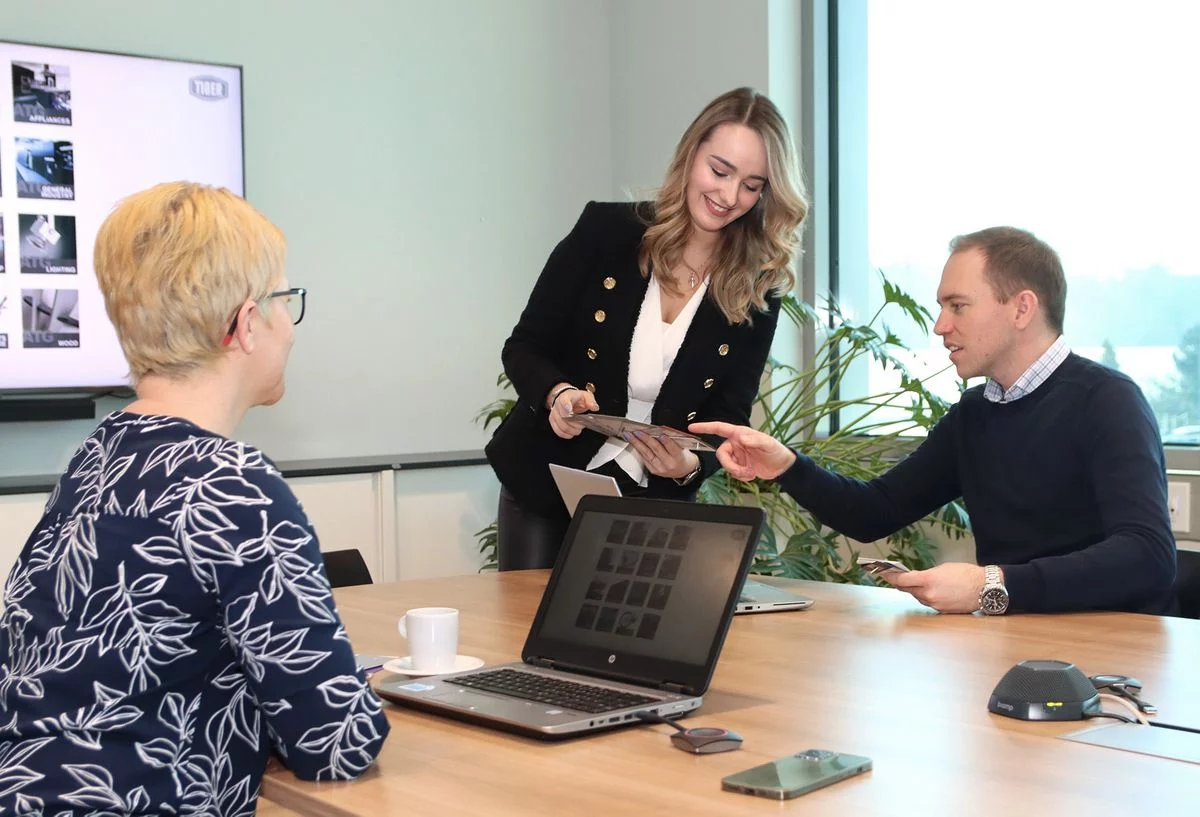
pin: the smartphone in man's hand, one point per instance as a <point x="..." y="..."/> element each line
<point x="876" y="566"/>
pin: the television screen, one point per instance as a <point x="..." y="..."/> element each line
<point x="79" y="131"/>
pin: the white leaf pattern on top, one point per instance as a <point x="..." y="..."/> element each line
<point x="166" y="625"/>
<point x="33" y="660"/>
<point x="13" y="774"/>
<point x="144" y="630"/>
<point x="83" y="727"/>
<point x="341" y="741"/>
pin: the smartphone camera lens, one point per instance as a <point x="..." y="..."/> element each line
<point x="815" y="755"/>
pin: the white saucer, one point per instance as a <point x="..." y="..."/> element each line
<point x="403" y="666"/>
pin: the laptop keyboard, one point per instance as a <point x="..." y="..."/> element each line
<point x="553" y="691"/>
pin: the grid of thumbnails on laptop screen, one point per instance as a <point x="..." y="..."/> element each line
<point x="631" y="582"/>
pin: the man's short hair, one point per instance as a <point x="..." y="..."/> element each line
<point x="175" y="262"/>
<point x="1015" y="260"/>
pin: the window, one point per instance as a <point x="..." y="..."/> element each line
<point x="1073" y="119"/>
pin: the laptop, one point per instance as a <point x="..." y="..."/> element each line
<point x="632" y="621"/>
<point x="756" y="597"/>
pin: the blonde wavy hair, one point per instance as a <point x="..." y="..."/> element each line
<point x="757" y="252"/>
<point x="175" y="262"/>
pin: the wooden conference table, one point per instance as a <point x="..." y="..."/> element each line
<point x="866" y="671"/>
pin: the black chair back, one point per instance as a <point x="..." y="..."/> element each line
<point x="1187" y="583"/>
<point x="346" y="568"/>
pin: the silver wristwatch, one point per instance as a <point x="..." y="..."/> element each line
<point x="993" y="598"/>
<point x="684" y="480"/>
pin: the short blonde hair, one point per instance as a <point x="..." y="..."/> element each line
<point x="175" y="262"/>
<point x="757" y="254"/>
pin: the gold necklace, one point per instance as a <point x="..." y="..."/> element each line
<point x="692" y="272"/>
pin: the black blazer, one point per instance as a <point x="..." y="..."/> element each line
<point x="577" y="328"/>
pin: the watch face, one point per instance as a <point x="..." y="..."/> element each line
<point x="993" y="601"/>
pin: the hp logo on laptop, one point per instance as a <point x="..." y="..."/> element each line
<point x="612" y="659"/>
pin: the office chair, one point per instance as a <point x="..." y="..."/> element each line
<point x="346" y="568"/>
<point x="1187" y="583"/>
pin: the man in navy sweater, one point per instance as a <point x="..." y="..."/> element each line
<point x="1057" y="459"/>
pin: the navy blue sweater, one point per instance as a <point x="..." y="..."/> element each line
<point x="1066" y="490"/>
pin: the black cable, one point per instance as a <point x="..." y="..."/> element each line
<point x="1113" y="715"/>
<point x="653" y="717"/>
<point x="1123" y="691"/>
<point x="1129" y="689"/>
<point x="1161" y="725"/>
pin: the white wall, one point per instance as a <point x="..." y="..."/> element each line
<point x="668" y="59"/>
<point x="422" y="158"/>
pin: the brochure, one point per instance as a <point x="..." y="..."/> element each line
<point x="613" y="426"/>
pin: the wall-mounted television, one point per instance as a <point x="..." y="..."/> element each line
<point x="79" y="130"/>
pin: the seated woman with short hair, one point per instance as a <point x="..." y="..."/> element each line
<point x="168" y="624"/>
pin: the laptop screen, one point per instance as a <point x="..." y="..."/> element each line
<point x="645" y="586"/>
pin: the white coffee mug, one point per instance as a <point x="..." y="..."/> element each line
<point x="432" y="634"/>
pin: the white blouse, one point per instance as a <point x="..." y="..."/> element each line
<point x="652" y="350"/>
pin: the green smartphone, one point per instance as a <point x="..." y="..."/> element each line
<point x="796" y="774"/>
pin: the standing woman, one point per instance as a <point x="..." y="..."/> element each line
<point x="660" y="312"/>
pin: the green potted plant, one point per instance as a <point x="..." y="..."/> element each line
<point x="797" y="407"/>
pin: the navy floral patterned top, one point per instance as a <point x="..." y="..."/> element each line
<point x="167" y="625"/>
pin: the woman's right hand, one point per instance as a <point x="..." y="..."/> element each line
<point x="569" y="402"/>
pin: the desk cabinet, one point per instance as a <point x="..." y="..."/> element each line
<point x="348" y="511"/>
<point x="354" y="511"/>
<point x="408" y="524"/>
<point x="18" y="514"/>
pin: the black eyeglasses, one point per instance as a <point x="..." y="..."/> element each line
<point x="296" y="297"/>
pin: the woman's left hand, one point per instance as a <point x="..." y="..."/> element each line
<point x="662" y="456"/>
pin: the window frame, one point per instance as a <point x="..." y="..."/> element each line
<point x="834" y="243"/>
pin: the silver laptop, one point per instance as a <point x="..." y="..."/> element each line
<point x="756" y="597"/>
<point x="632" y="621"/>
